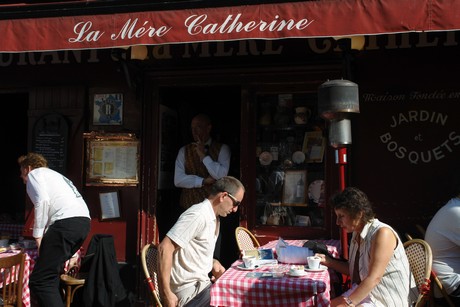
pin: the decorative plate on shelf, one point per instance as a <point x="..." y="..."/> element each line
<point x="298" y="157"/>
<point x="265" y="158"/>
<point x="314" y="190"/>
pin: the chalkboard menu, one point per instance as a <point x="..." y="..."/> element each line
<point x="50" y="136"/>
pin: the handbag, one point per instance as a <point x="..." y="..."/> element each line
<point x="317" y="247"/>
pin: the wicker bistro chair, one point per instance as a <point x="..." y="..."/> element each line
<point x="245" y="239"/>
<point x="434" y="278"/>
<point x="71" y="281"/>
<point x="73" y="278"/>
<point x="149" y="259"/>
<point x="12" y="276"/>
<point x="420" y="258"/>
<point x="441" y="288"/>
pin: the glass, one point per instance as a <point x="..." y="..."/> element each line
<point x="236" y="202"/>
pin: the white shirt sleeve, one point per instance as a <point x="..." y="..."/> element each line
<point x="40" y="199"/>
<point x="217" y="169"/>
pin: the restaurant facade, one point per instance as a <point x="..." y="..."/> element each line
<point x="112" y="114"/>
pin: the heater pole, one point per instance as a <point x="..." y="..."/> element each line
<point x="337" y="99"/>
<point x="341" y="160"/>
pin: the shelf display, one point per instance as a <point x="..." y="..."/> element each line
<point x="290" y="146"/>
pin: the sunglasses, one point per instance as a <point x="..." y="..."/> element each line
<point x="236" y="203"/>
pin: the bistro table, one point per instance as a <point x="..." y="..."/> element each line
<point x="31" y="258"/>
<point x="27" y="270"/>
<point x="33" y="255"/>
<point x="235" y="288"/>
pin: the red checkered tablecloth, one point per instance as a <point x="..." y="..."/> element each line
<point x="27" y="270"/>
<point x="234" y="288"/>
<point x="33" y="254"/>
<point x="31" y="258"/>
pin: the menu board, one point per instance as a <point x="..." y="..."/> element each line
<point x="112" y="159"/>
<point x="50" y="139"/>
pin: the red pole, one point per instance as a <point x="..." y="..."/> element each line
<point x="341" y="160"/>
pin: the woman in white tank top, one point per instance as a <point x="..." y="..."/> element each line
<point x="377" y="263"/>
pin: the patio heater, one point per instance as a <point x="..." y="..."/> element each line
<point x="337" y="101"/>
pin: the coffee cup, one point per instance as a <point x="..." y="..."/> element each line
<point x="249" y="262"/>
<point x="314" y="262"/>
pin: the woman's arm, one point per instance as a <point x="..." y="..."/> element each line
<point x="335" y="264"/>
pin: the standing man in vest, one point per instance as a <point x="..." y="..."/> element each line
<point x="200" y="164"/>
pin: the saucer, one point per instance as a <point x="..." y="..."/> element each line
<point x="242" y="267"/>
<point x="321" y="268"/>
<point x="297" y="273"/>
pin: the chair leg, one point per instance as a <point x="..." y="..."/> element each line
<point x="70" y="293"/>
<point x="68" y="296"/>
<point x="73" y="292"/>
<point x="438" y="284"/>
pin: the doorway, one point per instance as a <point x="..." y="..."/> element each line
<point x="15" y="144"/>
<point x="223" y="105"/>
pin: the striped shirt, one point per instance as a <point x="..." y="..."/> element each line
<point x="393" y="289"/>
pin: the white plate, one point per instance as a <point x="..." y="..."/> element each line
<point x="297" y="273"/>
<point x="265" y="158"/>
<point x="314" y="190"/>
<point x="242" y="267"/>
<point x="321" y="268"/>
<point x="298" y="157"/>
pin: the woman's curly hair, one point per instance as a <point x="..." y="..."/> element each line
<point x="354" y="201"/>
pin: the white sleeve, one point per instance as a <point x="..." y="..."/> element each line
<point x="218" y="169"/>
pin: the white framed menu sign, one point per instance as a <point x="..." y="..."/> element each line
<point x="112" y="159"/>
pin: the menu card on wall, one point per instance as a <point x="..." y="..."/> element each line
<point x="110" y="208"/>
<point x="112" y="160"/>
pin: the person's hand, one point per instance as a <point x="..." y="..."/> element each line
<point x="73" y="261"/>
<point x="170" y="300"/>
<point x="338" y="302"/>
<point x="324" y="259"/>
<point x="208" y="181"/>
<point x="200" y="149"/>
<point x="217" y="270"/>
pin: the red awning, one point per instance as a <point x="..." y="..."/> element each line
<point x="263" y="21"/>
